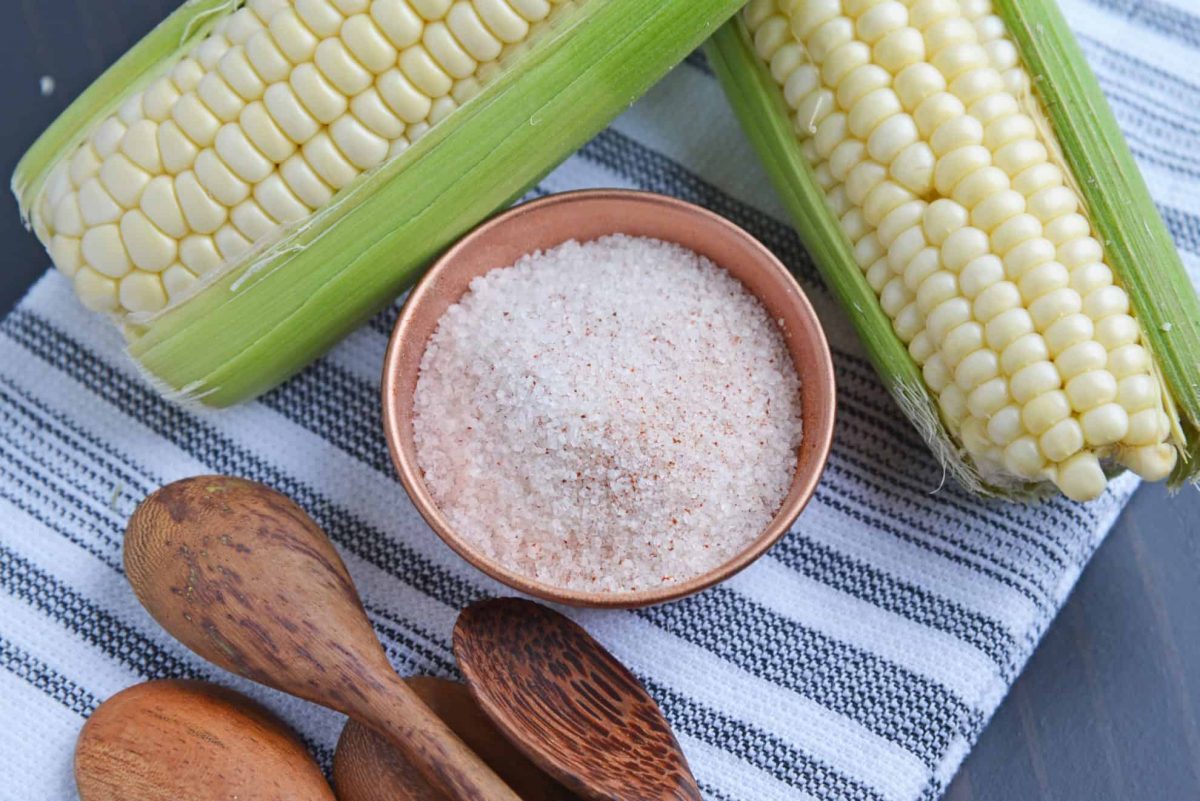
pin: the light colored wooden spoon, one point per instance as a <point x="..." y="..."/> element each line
<point x="576" y="711"/>
<point x="241" y="575"/>
<point x="191" y="741"/>
<point x="367" y="768"/>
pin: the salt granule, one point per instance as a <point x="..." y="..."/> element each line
<point x="608" y="416"/>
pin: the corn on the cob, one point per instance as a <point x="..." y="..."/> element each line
<point x="256" y="127"/>
<point x="252" y="124"/>
<point x="921" y="129"/>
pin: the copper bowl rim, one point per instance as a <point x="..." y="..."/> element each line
<point x="398" y="429"/>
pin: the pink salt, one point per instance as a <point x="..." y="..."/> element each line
<point x="608" y="416"/>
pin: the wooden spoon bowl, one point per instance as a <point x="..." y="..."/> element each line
<point x="191" y="741"/>
<point x="241" y="575"/>
<point x="367" y="768"/>
<point x="566" y="702"/>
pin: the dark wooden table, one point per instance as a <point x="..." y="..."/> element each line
<point x="1109" y="707"/>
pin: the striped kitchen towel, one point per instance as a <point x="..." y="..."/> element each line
<point x="859" y="660"/>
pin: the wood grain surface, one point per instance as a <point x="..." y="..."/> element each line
<point x="568" y="704"/>
<point x="367" y="768"/>
<point x="239" y="573"/>
<point x="1108" y="708"/>
<point x="192" y="741"/>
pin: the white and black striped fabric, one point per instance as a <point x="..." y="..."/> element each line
<point x="859" y="660"/>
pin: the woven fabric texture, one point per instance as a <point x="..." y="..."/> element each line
<point x="859" y="660"/>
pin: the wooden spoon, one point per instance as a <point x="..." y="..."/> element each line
<point x="367" y="768"/>
<point x="569" y="704"/>
<point x="191" y="741"/>
<point x="241" y="575"/>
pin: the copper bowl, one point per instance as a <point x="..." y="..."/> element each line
<point x="585" y="216"/>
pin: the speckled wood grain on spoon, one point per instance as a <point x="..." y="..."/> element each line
<point x="367" y="768"/>
<point x="244" y="577"/>
<point x="569" y="704"/>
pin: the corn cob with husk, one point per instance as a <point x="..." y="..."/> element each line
<point x="255" y="178"/>
<point x="962" y="184"/>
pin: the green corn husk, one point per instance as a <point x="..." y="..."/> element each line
<point x="280" y="308"/>
<point x="1137" y="245"/>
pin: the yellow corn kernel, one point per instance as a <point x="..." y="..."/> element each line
<point x="247" y="118"/>
<point x="915" y="116"/>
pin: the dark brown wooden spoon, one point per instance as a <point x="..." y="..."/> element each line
<point x="367" y="768"/>
<point x="569" y="704"/>
<point x="241" y="575"/>
<point x="191" y="741"/>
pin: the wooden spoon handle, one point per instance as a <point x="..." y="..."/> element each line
<point x="395" y="711"/>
